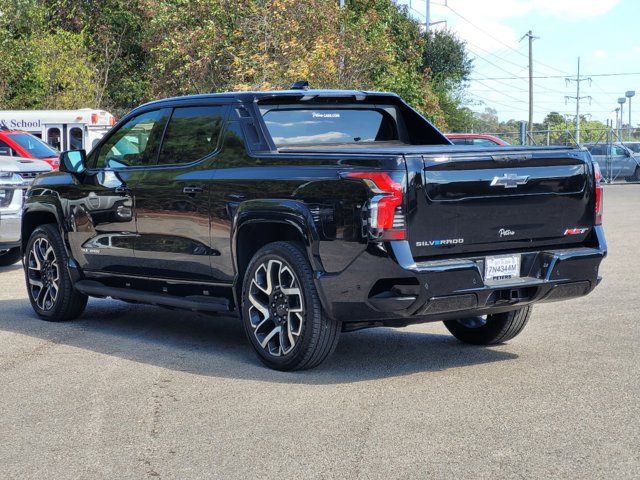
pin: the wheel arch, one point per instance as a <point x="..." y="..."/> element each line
<point x="34" y="216"/>
<point x="260" y="222"/>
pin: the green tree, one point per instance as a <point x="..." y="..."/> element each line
<point x="446" y="60"/>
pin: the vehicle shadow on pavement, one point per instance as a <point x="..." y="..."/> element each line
<point x="217" y="347"/>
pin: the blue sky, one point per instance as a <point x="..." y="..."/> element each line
<point x="604" y="33"/>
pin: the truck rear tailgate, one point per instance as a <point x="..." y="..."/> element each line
<point x="484" y="201"/>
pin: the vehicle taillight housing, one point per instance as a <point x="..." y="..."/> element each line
<point x="385" y="215"/>
<point x="599" y="205"/>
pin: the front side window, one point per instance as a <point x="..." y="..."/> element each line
<point x="322" y="126"/>
<point x="618" y="151"/>
<point x="36" y="147"/>
<point x="192" y="134"/>
<point x="135" y="143"/>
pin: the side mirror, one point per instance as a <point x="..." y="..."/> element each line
<point x="73" y="161"/>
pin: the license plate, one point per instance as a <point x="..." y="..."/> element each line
<point x="501" y="267"/>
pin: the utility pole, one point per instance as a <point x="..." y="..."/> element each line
<point x="341" y="60"/>
<point x="577" y="97"/>
<point x="427" y="16"/>
<point x="531" y="39"/>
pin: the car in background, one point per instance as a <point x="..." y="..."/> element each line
<point x="615" y="160"/>
<point x="16" y="174"/>
<point x="476" y="139"/>
<point x="18" y="143"/>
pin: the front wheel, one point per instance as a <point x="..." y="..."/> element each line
<point x="9" y="257"/>
<point x="635" y="177"/>
<point x="49" y="285"/>
<point x="281" y="310"/>
<point x="490" y="329"/>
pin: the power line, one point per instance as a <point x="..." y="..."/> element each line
<point x="558" y="76"/>
<point x="498" y="40"/>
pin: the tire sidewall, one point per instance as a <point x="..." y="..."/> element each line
<point x="312" y="307"/>
<point x="51" y="234"/>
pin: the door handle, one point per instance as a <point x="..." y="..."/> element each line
<point x="192" y="190"/>
<point x="124" y="190"/>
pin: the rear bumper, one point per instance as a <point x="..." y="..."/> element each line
<point x="384" y="286"/>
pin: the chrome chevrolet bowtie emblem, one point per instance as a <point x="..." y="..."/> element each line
<point x="509" y="180"/>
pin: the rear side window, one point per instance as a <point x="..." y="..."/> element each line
<point x="322" y="126"/>
<point x="192" y="133"/>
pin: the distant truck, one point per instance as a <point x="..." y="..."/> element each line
<point x="62" y="129"/>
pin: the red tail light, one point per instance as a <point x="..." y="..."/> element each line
<point x="94" y="118"/>
<point x="386" y="219"/>
<point x="599" y="204"/>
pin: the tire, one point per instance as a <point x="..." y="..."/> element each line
<point x="281" y="310"/>
<point x="9" y="257"/>
<point x="45" y="265"/>
<point x="635" y="177"/>
<point x="492" y="329"/>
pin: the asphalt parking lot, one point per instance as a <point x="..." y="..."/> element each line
<point x="135" y="392"/>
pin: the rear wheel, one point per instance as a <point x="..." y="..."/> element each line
<point x="281" y="310"/>
<point x="49" y="285"/>
<point x="9" y="257"/>
<point x="490" y="329"/>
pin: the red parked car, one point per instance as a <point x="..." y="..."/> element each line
<point x="17" y="143"/>
<point x="477" y="139"/>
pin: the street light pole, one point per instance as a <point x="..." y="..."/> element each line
<point x="629" y="94"/>
<point x="621" y="101"/>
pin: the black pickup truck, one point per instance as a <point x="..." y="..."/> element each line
<point x="311" y="212"/>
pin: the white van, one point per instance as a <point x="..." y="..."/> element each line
<point x="62" y="129"/>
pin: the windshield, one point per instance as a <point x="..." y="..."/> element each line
<point x="36" y="147"/>
<point x="320" y="126"/>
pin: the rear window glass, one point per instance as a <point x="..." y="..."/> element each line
<point x="36" y="147"/>
<point x="321" y="126"/>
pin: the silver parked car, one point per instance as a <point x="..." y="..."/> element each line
<point x="615" y="161"/>
<point x="16" y="174"/>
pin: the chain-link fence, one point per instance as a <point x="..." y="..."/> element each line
<point x="616" y="151"/>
